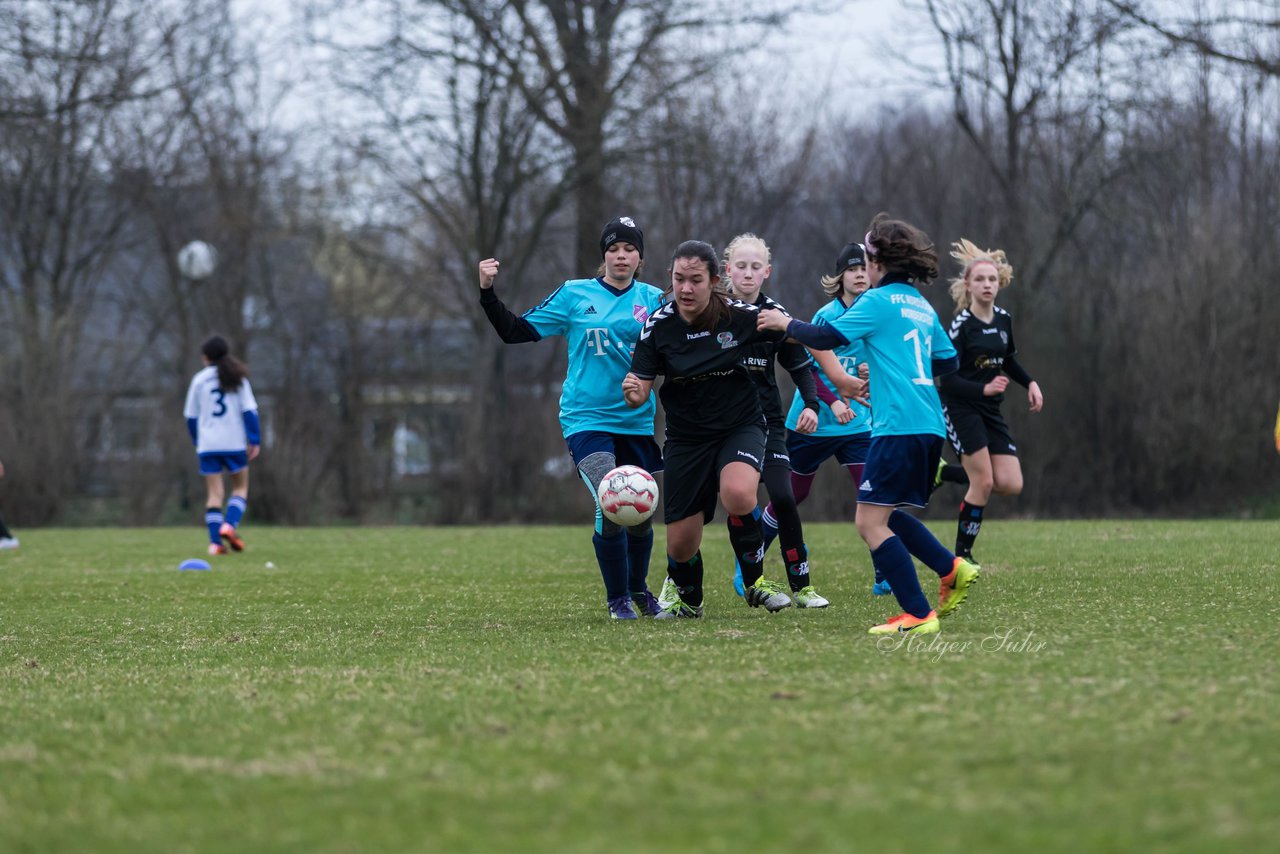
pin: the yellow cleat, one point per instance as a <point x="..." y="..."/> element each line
<point x="953" y="588"/>
<point x="907" y="624"/>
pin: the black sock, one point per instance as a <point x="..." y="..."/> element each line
<point x="687" y="577"/>
<point x="797" y="561"/>
<point x="952" y="473"/>
<point x="967" y="528"/>
<point x="5" y="533"/>
<point x="747" y="539"/>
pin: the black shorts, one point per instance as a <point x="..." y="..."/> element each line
<point x="693" y="470"/>
<point x="775" y="446"/>
<point x="974" y="425"/>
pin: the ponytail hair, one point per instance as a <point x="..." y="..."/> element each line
<point x="970" y="256"/>
<point x="902" y="249"/>
<point x="231" y="371"/>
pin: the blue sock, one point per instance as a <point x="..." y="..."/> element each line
<point x="921" y="542"/>
<point x="611" y="554"/>
<point x="769" y="523"/>
<point x="638" y="551"/>
<point x="894" y="561"/>
<point x="235" y="510"/>
<point x="213" y="520"/>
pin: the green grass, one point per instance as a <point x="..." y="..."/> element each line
<point x="461" y="690"/>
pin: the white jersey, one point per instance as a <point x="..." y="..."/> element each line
<point x="219" y="414"/>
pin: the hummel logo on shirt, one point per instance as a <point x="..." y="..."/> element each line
<point x="591" y="309"/>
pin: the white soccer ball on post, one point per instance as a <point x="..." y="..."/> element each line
<point x="628" y="495"/>
<point x="197" y="260"/>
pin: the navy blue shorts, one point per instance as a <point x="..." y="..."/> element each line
<point x="693" y="475"/>
<point x="627" y="449"/>
<point x="232" y="461"/>
<point x="810" y="452"/>
<point x="900" y="470"/>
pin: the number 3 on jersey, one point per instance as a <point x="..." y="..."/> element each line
<point x="222" y="403"/>
<point x="914" y="337"/>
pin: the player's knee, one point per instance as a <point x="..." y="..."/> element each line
<point x="982" y="483"/>
<point x="608" y="529"/>
<point x="641" y="530"/>
<point x="1008" y="486"/>
<point x="739" y="502"/>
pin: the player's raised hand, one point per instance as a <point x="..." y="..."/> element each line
<point x="488" y="271"/>
<point x="1034" y="397"/>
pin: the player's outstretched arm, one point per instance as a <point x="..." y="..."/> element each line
<point x="510" y="328"/>
<point x="635" y="391"/>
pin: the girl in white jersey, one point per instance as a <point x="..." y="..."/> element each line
<point x="222" y="417"/>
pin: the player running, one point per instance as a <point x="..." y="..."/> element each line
<point x="600" y="318"/>
<point x="982" y="334"/>
<point x="222" y="417"/>
<point x="715" y="439"/>
<point x="747" y="265"/>
<point x="905" y="348"/>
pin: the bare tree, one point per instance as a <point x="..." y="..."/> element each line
<point x="1241" y="34"/>
<point x="68" y="71"/>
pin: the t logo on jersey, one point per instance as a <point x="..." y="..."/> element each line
<point x="598" y="337"/>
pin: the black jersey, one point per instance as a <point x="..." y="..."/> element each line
<point x="759" y="359"/>
<point x="707" y="391"/>
<point x="982" y="349"/>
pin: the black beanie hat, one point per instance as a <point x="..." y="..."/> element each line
<point x="622" y="230"/>
<point x="852" y="254"/>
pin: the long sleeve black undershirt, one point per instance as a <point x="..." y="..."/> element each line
<point x="511" y="328"/>
<point x="806" y="384"/>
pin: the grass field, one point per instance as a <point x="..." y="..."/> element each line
<point x="1109" y="686"/>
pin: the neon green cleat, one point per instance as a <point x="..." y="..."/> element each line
<point x="807" y="597"/>
<point x="770" y="594"/>
<point x="678" y="610"/>
<point x="668" y="594"/>
<point x="953" y="587"/>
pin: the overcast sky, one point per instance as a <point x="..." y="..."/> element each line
<point x="835" y="57"/>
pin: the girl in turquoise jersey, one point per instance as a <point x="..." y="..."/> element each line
<point x="600" y="318"/>
<point x="906" y="347"/>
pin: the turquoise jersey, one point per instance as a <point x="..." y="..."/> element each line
<point x="601" y="325"/>
<point x="902" y="335"/>
<point x="850" y="356"/>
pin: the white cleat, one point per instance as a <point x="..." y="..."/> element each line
<point x="809" y="598"/>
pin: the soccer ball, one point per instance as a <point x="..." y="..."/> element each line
<point x="197" y="260"/>
<point x="628" y="495"/>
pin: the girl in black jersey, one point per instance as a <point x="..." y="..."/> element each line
<point x="747" y="266"/>
<point x="983" y="337"/>
<point x="715" y="440"/>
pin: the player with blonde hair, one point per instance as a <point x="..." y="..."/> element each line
<point x="748" y="265"/>
<point x="982" y="334"/>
